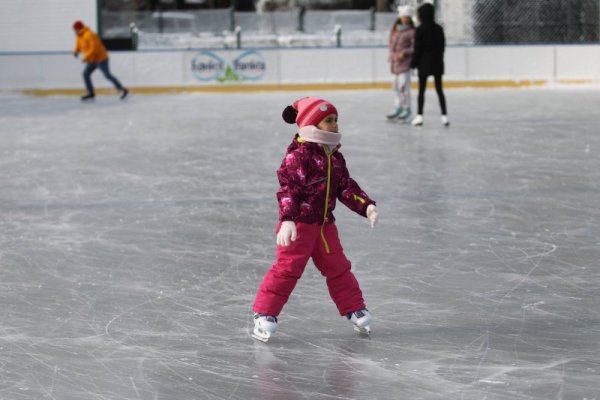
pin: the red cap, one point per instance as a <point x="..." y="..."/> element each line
<point x="77" y="25"/>
<point x="312" y="110"/>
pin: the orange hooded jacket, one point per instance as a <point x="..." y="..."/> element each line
<point x="91" y="46"/>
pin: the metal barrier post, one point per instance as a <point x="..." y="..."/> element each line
<point x="134" y="34"/>
<point x="231" y="19"/>
<point x="301" y="19"/>
<point x="238" y="37"/>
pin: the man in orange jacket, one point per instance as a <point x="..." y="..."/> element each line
<point x="94" y="56"/>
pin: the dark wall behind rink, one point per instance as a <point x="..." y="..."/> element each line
<point x="536" y="21"/>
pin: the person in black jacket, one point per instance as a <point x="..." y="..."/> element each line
<point x="428" y="58"/>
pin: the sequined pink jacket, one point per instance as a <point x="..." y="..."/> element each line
<point x="312" y="176"/>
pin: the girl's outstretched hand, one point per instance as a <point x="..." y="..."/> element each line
<point x="372" y="214"/>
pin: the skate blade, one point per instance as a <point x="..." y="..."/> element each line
<point x="363" y="331"/>
<point x="262" y="336"/>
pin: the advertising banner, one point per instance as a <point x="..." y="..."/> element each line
<point x="226" y="67"/>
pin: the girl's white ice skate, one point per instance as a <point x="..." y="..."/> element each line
<point x="361" y="320"/>
<point x="264" y="327"/>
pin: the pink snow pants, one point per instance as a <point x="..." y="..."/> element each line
<point x="281" y="278"/>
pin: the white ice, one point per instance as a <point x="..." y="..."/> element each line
<point x="134" y="235"/>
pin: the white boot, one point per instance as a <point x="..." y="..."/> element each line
<point x="445" y="120"/>
<point x="264" y="326"/>
<point x="361" y="320"/>
<point x="418" y="120"/>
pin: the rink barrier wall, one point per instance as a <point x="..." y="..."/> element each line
<point x="181" y="71"/>
<point x="290" y="87"/>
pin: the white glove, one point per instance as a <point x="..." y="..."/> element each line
<point x="286" y="232"/>
<point x="372" y="214"/>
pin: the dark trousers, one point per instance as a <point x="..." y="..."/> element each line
<point x="91" y="67"/>
<point x="438" y="88"/>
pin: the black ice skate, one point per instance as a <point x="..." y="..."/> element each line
<point x="88" y="97"/>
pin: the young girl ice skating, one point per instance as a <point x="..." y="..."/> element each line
<point x="312" y="176"/>
<point x="402" y="36"/>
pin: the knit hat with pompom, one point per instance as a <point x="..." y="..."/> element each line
<point x="308" y="111"/>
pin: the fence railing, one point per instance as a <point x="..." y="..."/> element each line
<point x="225" y="28"/>
<point x="464" y="21"/>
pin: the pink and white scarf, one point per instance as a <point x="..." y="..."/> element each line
<point x="311" y="133"/>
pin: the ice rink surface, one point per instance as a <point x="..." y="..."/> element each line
<point x="133" y="237"/>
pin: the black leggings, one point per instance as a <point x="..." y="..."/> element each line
<point x="438" y="89"/>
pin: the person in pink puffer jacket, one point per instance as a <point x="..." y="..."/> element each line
<point x="402" y="37"/>
<point x="312" y="176"/>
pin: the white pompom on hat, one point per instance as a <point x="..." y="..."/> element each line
<point x="405" y="11"/>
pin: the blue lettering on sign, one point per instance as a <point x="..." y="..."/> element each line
<point x="248" y="66"/>
<point x="207" y="66"/>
